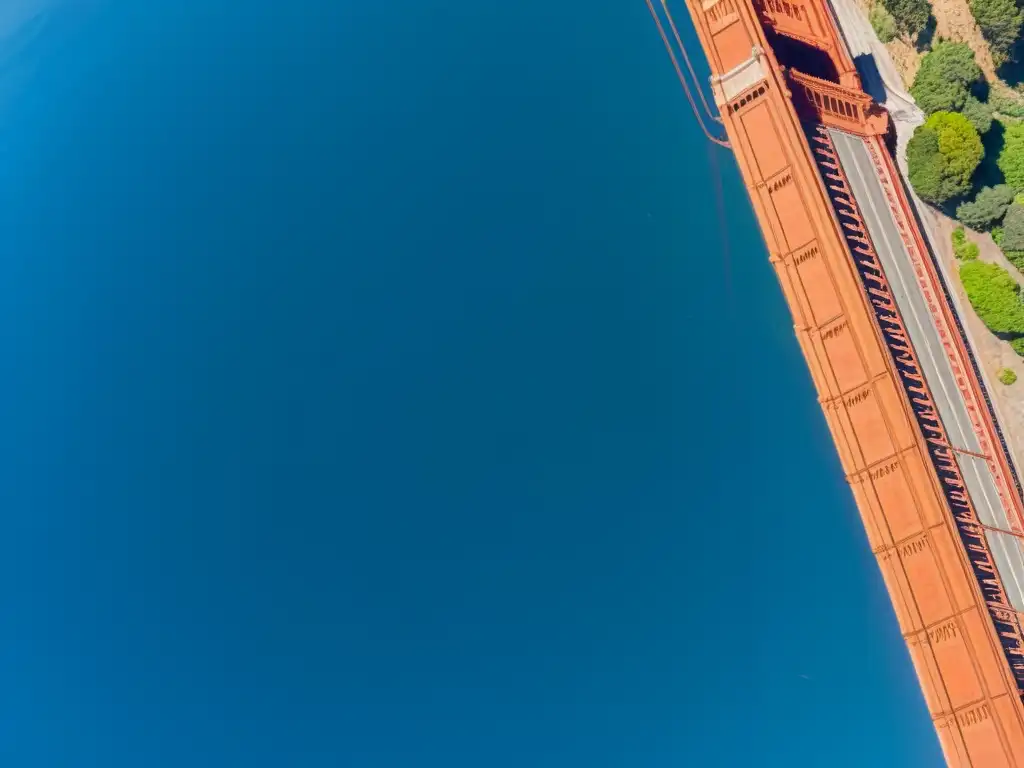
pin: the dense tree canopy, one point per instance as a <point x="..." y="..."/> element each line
<point x="978" y="112"/>
<point x="926" y="167"/>
<point x="944" y="80"/>
<point x="959" y="144"/>
<point x="995" y="296"/>
<point x="911" y="16"/>
<point x="987" y="208"/>
<point x="1000" y="22"/>
<point x="1005" y="101"/>
<point x="1013" y="229"/>
<point x="1011" y="157"/>
<point x="942" y="156"/>
<point x="1016" y="258"/>
<point x="883" y="23"/>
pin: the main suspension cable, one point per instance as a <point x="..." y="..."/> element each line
<point x="682" y="49"/>
<point x="682" y="79"/>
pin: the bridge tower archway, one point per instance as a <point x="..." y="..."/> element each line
<point x="804" y="34"/>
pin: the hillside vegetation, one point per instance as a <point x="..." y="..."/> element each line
<point x="967" y="158"/>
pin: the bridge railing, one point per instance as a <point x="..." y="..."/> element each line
<point x="835" y="105"/>
<point x="1003" y="615"/>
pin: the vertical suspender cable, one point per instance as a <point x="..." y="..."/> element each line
<point x="689" y="66"/>
<point x="682" y="79"/>
<point x="715" y="174"/>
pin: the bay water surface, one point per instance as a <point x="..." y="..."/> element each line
<point x="406" y="385"/>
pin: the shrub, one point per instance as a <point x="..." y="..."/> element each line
<point x="1000" y="22"/>
<point x="962" y="249"/>
<point x="995" y="296"/>
<point x="1016" y="258"/>
<point x="942" y="156"/>
<point x="945" y="77"/>
<point x="987" y="208"/>
<point x="1005" y="101"/>
<point x="911" y="16"/>
<point x="978" y="112"/>
<point x="1011" y="157"/>
<point x="1013" y="229"/>
<point x="1017" y="345"/>
<point x="997" y="235"/>
<point x="883" y="23"/>
<point x="1007" y="377"/>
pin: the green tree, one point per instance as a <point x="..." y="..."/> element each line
<point x="911" y="16"/>
<point x="1013" y="228"/>
<point x="883" y="23"/>
<point x="926" y="167"/>
<point x="1007" y="377"/>
<point x="995" y="296"/>
<point x="987" y="208"/>
<point x="942" y="156"/>
<point x="1016" y="258"/>
<point x="945" y="77"/>
<point x="1017" y="345"/>
<point x="1011" y="157"/>
<point x="978" y="112"/>
<point x="1005" y="101"/>
<point x="959" y="144"/>
<point x="1000" y="22"/>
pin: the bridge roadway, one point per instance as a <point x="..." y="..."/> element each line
<point x="896" y="261"/>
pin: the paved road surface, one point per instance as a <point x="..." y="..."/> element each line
<point x="896" y="262"/>
<point x="871" y="56"/>
<point x="878" y="74"/>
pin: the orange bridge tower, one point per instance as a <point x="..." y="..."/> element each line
<point x="901" y="392"/>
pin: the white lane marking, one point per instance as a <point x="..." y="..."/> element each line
<point x="979" y="476"/>
<point x="928" y="347"/>
<point x="1015" y="545"/>
<point x="907" y="293"/>
<point x="1002" y="539"/>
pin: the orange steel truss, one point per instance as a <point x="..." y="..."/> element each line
<point x="964" y="637"/>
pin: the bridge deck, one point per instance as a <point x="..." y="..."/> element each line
<point x="898" y="265"/>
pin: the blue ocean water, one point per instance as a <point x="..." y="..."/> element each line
<point x="381" y="388"/>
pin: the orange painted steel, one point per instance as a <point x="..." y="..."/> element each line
<point x="837" y="106"/>
<point x="964" y="638"/>
<point x="968" y="382"/>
